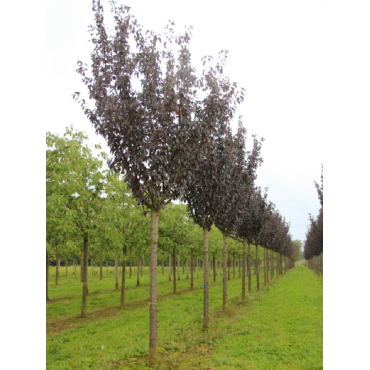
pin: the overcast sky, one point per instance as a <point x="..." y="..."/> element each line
<point x="284" y="53"/>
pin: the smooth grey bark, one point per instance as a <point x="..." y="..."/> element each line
<point x="178" y="265"/>
<point x="169" y="267"/>
<point x="116" y="271"/>
<point x="205" y="276"/>
<point x="85" y="278"/>
<point x="123" y="277"/>
<point x="47" y="275"/>
<point x="257" y="271"/>
<point x="153" y="329"/>
<point x="192" y="270"/>
<point x="138" y="272"/>
<point x="243" y="273"/>
<point x="249" y="272"/>
<point x="224" y="279"/>
<point x="174" y="269"/>
<point x="57" y="268"/>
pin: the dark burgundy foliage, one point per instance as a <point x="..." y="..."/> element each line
<point x="314" y="243"/>
<point x="159" y="131"/>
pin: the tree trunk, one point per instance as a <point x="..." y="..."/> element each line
<point x="85" y="282"/>
<point x="214" y="268"/>
<point x="229" y="267"/>
<point x="138" y="272"/>
<point x="183" y="267"/>
<point x="142" y="266"/>
<point x="130" y="264"/>
<point x="205" y="276"/>
<point x="224" y="279"/>
<point x="163" y="264"/>
<point x="258" y="275"/>
<point x="153" y="335"/>
<point x="123" y="278"/>
<point x="233" y="265"/>
<point x="243" y="273"/>
<point x="174" y="269"/>
<point x="239" y="265"/>
<point x="169" y="268"/>
<point x="47" y="276"/>
<point x="116" y="271"/>
<point x="106" y="267"/>
<point x="66" y="266"/>
<point x="82" y="267"/>
<point x="101" y="266"/>
<point x="178" y="265"/>
<point x="272" y="264"/>
<point x="264" y="266"/>
<point x="267" y="266"/>
<point x="281" y="264"/>
<point x="249" y="269"/>
<point x="187" y="272"/>
<point x="191" y="269"/>
<point x="57" y="269"/>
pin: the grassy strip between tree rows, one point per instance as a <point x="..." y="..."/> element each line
<point x="279" y="327"/>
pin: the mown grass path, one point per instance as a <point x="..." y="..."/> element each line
<point x="279" y="327"/>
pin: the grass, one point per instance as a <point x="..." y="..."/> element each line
<point x="279" y="327"/>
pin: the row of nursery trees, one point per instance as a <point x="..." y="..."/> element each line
<point x="313" y="247"/>
<point x="169" y="134"/>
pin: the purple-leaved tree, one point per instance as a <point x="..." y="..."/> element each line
<point x="160" y="120"/>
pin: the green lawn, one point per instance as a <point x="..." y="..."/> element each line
<point x="279" y="327"/>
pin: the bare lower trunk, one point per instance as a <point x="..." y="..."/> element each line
<point x="224" y="279"/>
<point x="169" y="268"/>
<point x="123" y="278"/>
<point x="138" y="272"/>
<point x="178" y="265"/>
<point x="192" y="270"/>
<point x="106" y="267"/>
<point x="116" y="271"/>
<point x="272" y="264"/>
<point x="197" y="268"/>
<point x="47" y="275"/>
<point x="264" y="266"/>
<point x="67" y="266"/>
<point x="101" y="266"/>
<point x="82" y="267"/>
<point x="214" y="268"/>
<point x="249" y="269"/>
<point x="267" y="266"/>
<point x="243" y="272"/>
<point x="153" y="335"/>
<point x="233" y="266"/>
<point x="257" y="272"/>
<point x="85" y="288"/>
<point x="187" y="272"/>
<point x="130" y="264"/>
<point x="57" y="269"/>
<point x="281" y="264"/>
<point x="174" y="269"/>
<point x="228" y="267"/>
<point x="205" y="276"/>
<point x="142" y="266"/>
<point x="162" y="264"/>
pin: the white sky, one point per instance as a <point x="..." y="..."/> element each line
<point x="284" y="53"/>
